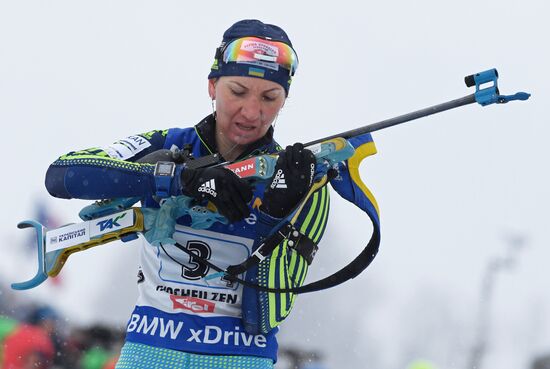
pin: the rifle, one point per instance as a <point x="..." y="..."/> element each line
<point x="116" y="219"/>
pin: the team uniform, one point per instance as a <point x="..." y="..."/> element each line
<point x="178" y="308"/>
<point x="186" y="316"/>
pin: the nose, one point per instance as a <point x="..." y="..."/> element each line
<point x="252" y="109"/>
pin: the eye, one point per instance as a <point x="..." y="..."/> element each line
<point x="237" y="92"/>
<point x="269" y="98"/>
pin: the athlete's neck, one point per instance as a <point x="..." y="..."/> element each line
<point x="229" y="150"/>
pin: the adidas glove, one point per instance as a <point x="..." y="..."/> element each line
<point x="293" y="177"/>
<point x="222" y="187"/>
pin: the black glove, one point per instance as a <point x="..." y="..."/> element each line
<point x="177" y="156"/>
<point x="222" y="187"/>
<point x="293" y="177"/>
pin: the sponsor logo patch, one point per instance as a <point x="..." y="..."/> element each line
<point x="112" y="223"/>
<point x="214" y="335"/>
<point x="209" y="334"/>
<point x="279" y="180"/>
<point x="67" y="236"/>
<point x="193" y="304"/>
<point x="244" y="168"/>
<point x="251" y="219"/>
<point x="128" y="147"/>
<point x="209" y="187"/>
<point x="199" y="295"/>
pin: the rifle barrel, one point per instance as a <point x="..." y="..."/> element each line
<point x="400" y="119"/>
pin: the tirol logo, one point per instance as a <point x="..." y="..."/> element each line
<point x="110" y="223"/>
<point x="193" y="304"/>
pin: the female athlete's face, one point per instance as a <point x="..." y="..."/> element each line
<point x="245" y="108"/>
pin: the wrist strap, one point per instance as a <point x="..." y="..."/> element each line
<point x="164" y="172"/>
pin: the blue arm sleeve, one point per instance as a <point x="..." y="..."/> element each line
<point x="107" y="173"/>
<point x="99" y="179"/>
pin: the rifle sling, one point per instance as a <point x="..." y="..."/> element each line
<point x="352" y="270"/>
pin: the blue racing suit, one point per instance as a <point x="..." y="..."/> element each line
<point x="177" y="307"/>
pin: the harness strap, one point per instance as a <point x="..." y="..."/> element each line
<point x="263" y="251"/>
<point x="305" y="246"/>
<point x="352" y="270"/>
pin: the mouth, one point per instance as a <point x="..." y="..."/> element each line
<point x="245" y="127"/>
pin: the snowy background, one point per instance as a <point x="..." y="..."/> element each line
<point x="454" y="189"/>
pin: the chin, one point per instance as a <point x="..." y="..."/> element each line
<point x="246" y="139"/>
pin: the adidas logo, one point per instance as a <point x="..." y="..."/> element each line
<point x="311" y="173"/>
<point x="209" y="187"/>
<point x="278" y="180"/>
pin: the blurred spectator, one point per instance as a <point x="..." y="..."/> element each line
<point x="111" y="363"/>
<point x="100" y="343"/>
<point x="293" y="358"/>
<point x="421" y="364"/>
<point x="8" y="301"/>
<point x="95" y="358"/>
<point x="86" y="347"/>
<point x="43" y="316"/>
<point x="7" y="326"/>
<point x="541" y="362"/>
<point x="27" y="347"/>
<point x="47" y="318"/>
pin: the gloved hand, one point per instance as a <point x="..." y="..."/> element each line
<point x="177" y="156"/>
<point x="222" y="187"/>
<point x="293" y="177"/>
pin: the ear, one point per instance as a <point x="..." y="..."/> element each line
<point x="212" y="88"/>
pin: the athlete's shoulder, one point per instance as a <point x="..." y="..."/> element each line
<point x="180" y="136"/>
